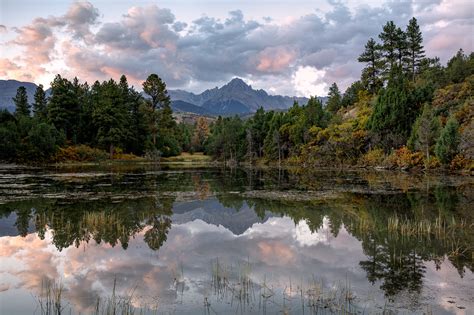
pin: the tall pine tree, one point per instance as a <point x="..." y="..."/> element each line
<point x="156" y="89"/>
<point x="415" y="52"/>
<point x="372" y="55"/>
<point x="40" y="104"/>
<point x="22" y="108"/>
<point x="334" y="101"/>
<point x="390" y="39"/>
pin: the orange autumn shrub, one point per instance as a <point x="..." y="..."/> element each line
<point x="80" y="153"/>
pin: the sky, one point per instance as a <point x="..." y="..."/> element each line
<point x="296" y="48"/>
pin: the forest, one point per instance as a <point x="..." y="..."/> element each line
<point x="406" y="111"/>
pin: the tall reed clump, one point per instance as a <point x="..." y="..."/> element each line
<point x="50" y="299"/>
<point x="449" y="231"/>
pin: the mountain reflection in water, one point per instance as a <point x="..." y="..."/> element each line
<point x="186" y="241"/>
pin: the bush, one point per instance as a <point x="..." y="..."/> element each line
<point x="404" y="158"/>
<point x="80" y="153"/>
<point x="461" y="163"/>
<point x="432" y="163"/>
<point x="374" y="157"/>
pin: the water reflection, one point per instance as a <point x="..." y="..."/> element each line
<point x="399" y="246"/>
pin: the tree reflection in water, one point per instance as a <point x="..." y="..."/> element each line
<point x="433" y="224"/>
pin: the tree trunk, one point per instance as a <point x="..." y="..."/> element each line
<point x="111" y="151"/>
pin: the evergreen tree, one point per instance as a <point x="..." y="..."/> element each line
<point x="133" y="102"/>
<point x="334" y="101"/>
<point x="414" y="40"/>
<point x="40" y="104"/>
<point x="167" y="142"/>
<point x="448" y="142"/>
<point x="64" y="107"/>
<point x="156" y="89"/>
<point x="351" y="95"/>
<point x="390" y="39"/>
<point x="372" y="55"/>
<point x="431" y="71"/>
<point x="313" y="113"/>
<point x="425" y="131"/>
<point x="401" y="49"/>
<point x="22" y="108"/>
<point x="460" y="67"/>
<point x="393" y="113"/>
<point x="109" y="116"/>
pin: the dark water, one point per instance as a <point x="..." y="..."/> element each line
<point x="211" y="241"/>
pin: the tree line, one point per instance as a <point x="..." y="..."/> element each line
<point x="406" y="110"/>
<point x="108" y="115"/>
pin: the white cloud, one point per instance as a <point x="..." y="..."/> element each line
<point x="308" y="80"/>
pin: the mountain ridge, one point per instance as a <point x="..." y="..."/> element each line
<point x="236" y="97"/>
<point x="233" y="98"/>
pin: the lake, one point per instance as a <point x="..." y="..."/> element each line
<point x="170" y="240"/>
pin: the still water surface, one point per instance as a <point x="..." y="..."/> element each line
<point x="207" y="241"/>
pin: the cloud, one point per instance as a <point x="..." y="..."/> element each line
<point x="3" y="28"/>
<point x="9" y="69"/>
<point x="309" y="81"/>
<point x="79" y="18"/>
<point x="209" y="50"/>
<point x="275" y="59"/>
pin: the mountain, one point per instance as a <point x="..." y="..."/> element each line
<point x="236" y="97"/>
<point x="213" y="212"/>
<point x="8" y="91"/>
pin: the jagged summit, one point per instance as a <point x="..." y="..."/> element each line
<point x="235" y="97"/>
<point x="237" y="83"/>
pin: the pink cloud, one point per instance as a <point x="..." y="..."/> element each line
<point x="275" y="59"/>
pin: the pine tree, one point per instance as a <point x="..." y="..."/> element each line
<point x="415" y="50"/>
<point x="425" y="131"/>
<point x="109" y="116"/>
<point x="401" y="49"/>
<point x="156" y="89"/>
<point x="390" y="37"/>
<point x="459" y="67"/>
<point x="22" y="108"/>
<point x="334" y="101"/>
<point x="133" y="101"/>
<point x="64" y="107"/>
<point x="40" y="104"/>
<point x="372" y="55"/>
<point x="351" y="94"/>
<point x="448" y="142"/>
<point x="393" y="113"/>
<point x="313" y="113"/>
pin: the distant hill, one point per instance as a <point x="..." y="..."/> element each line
<point x="8" y="91"/>
<point x="236" y="97"/>
<point x="185" y="107"/>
